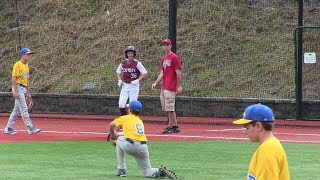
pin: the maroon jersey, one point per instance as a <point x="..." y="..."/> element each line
<point x="129" y="70"/>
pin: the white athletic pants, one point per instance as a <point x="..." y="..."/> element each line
<point x="130" y="91"/>
<point x="20" y="107"/>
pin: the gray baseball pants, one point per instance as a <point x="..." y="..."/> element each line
<point x="139" y="152"/>
<point x="20" y="107"/>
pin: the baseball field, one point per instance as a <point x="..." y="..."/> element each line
<point x="74" y="147"/>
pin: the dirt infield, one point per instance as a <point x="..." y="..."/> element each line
<point x="63" y="127"/>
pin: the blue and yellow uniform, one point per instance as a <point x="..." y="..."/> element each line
<point x="21" y="72"/>
<point x="270" y="159"/>
<point x="21" y="91"/>
<point x="133" y="127"/>
<point x="134" y="142"/>
<point x="269" y="162"/>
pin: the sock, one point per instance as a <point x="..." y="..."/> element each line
<point x="123" y="111"/>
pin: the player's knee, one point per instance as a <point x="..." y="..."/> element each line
<point x="122" y="105"/>
<point x="25" y="115"/>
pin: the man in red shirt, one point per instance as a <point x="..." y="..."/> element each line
<point x="170" y="75"/>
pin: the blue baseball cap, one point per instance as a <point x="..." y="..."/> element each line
<point x="256" y="112"/>
<point x="24" y="51"/>
<point x="135" y="106"/>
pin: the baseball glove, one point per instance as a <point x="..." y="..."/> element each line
<point x="29" y="102"/>
<point x="112" y="139"/>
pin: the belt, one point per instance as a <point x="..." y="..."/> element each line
<point x="22" y="85"/>
<point x="131" y="141"/>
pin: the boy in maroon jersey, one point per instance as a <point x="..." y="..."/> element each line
<point x="170" y="75"/>
<point x="129" y="74"/>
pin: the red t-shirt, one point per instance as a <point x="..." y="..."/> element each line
<point x="170" y="63"/>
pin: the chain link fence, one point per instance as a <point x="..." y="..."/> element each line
<point x="232" y="49"/>
<point x="310" y="65"/>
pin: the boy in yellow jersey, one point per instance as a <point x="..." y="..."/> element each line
<point x="134" y="143"/>
<point x="21" y="91"/>
<point x="270" y="160"/>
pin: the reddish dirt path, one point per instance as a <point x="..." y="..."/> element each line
<point x="57" y="127"/>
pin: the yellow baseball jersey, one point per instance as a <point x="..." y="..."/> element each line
<point x="269" y="162"/>
<point x="132" y="126"/>
<point x="21" y="71"/>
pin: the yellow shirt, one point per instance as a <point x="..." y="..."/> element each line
<point x="132" y="126"/>
<point x="21" y="72"/>
<point x="269" y="162"/>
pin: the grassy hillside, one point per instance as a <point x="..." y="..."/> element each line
<point x="228" y="48"/>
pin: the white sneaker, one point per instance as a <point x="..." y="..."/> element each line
<point x="9" y="130"/>
<point x="33" y="130"/>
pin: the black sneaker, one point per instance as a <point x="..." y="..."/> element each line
<point x="122" y="173"/>
<point x="175" y="129"/>
<point x="164" y="172"/>
<point x="168" y="130"/>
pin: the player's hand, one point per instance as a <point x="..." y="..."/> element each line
<point x="119" y="83"/>
<point x="15" y="95"/>
<point x="154" y="86"/>
<point x="135" y="81"/>
<point x="179" y="89"/>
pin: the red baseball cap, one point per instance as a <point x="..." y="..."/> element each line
<point x="166" y="41"/>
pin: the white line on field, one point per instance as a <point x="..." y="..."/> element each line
<point x="295" y="134"/>
<point x="225" y="138"/>
<point x="222" y="130"/>
<point x="299" y="134"/>
<point x="64" y="132"/>
<point x="77" y="132"/>
<point x="175" y="136"/>
<point x="294" y="141"/>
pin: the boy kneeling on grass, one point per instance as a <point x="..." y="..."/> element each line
<point x="134" y="142"/>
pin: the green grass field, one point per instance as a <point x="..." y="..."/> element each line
<point x="190" y="160"/>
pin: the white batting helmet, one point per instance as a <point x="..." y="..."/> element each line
<point x="130" y="48"/>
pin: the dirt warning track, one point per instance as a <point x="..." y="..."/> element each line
<point x="57" y="127"/>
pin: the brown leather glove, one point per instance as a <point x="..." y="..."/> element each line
<point x="29" y="102"/>
<point x="112" y="139"/>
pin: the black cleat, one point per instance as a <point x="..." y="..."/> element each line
<point x="122" y="173"/>
<point x="164" y="172"/>
<point x="168" y="130"/>
<point x="175" y="129"/>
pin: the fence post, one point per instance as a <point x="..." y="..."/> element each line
<point x="18" y="26"/>
<point x="173" y="24"/>
<point x="298" y="70"/>
<point x="298" y="54"/>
